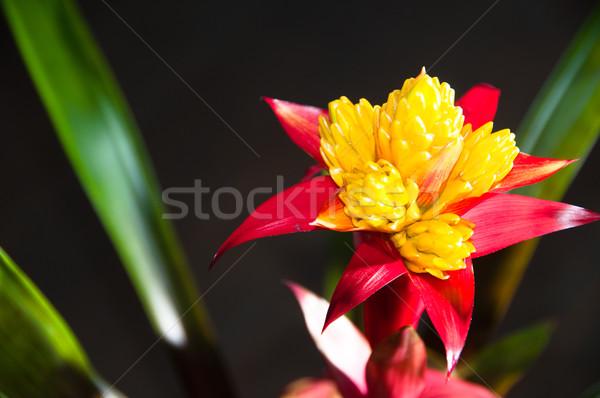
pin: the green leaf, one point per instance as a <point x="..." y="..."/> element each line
<point x="102" y="141"/>
<point x="339" y="254"/>
<point x="503" y="363"/>
<point x="563" y="123"/>
<point x="39" y="355"/>
<point x="592" y="392"/>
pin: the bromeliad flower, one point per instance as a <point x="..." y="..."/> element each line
<point x="395" y="368"/>
<point x="423" y="178"/>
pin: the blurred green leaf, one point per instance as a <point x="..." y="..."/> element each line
<point x="103" y="143"/>
<point x="592" y="392"/>
<point x="39" y="355"/>
<point x="503" y="363"/>
<point x="437" y="361"/>
<point x="563" y="123"/>
<point x="339" y="254"/>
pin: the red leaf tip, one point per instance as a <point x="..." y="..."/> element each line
<point x="301" y="123"/>
<point x="328" y="320"/>
<point x="294" y="287"/>
<point x="488" y="86"/>
<point x="452" y="358"/>
<point x="213" y="261"/>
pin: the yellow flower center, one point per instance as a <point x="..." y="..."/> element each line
<point x="436" y="245"/>
<point x="376" y="197"/>
<point x="485" y="160"/>
<point x="401" y="164"/>
<point x="416" y="123"/>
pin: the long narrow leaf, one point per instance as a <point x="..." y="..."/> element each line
<point x="105" y="148"/>
<point x="563" y="123"/>
<point x="39" y="355"/>
<point x="592" y="392"/>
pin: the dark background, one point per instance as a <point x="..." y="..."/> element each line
<point x="308" y="53"/>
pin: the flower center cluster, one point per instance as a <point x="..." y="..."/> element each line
<point x="436" y="245"/>
<point x="416" y="124"/>
<point x="400" y="165"/>
<point x="376" y="197"/>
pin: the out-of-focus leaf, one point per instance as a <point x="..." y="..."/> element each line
<point x="346" y="365"/>
<point x="338" y="256"/>
<point x="337" y="259"/>
<point x="592" y="392"/>
<point x="435" y="360"/>
<point x="39" y="355"/>
<point x="563" y="123"/>
<point x="102" y="141"/>
<point x="503" y="363"/>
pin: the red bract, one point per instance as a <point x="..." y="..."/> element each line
<point x="395" y="368"/>
<point x="500" y="220"/>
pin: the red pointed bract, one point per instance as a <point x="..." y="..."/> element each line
<point x="396" y="368"/>
<point x="390" y="309"/>
<point x="343" y="346"/>
<point x="464" y="205"/>
<point x="503" y="219"/>
<point x="449" y="304"/>
<point x="479" y="104"/>
<point x="301" y="123"/>
<point x="292" y="210"/>
<point x="371" y="268"/>
<point x="528" y="170"/>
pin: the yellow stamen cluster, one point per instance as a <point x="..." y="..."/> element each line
<point x="485" y="160"/>
<point x="347" y="141"/>
<point x="401" y="164"/>
<point x="416" y="123"/>
<point x="436" y="245"/>
<point x="376" y="197"/>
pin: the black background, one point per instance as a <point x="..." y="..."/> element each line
<point x="308" y="53"/>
